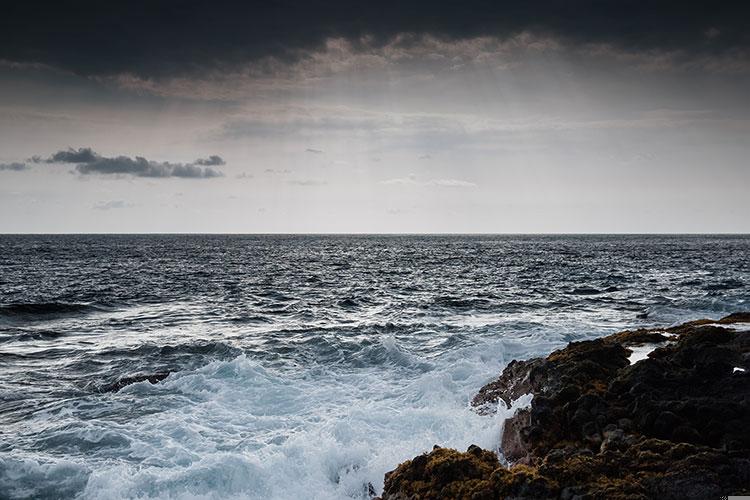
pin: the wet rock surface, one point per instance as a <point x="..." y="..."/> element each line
<point x="672" y="425"/>
<point x="151" y="378"/>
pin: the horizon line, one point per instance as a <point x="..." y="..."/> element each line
<point x="178" y="233"/>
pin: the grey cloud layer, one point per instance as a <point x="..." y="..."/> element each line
<point x="162" y="37"/>
<point x="15" y="166"/>
<point x="88" y="162"/>
<point x="324" y="123"/>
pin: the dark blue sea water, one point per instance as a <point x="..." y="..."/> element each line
<point x="300" y="366"/>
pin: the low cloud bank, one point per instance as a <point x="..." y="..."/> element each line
<point x="14" y="167"/>
<point x="88" y="161"/>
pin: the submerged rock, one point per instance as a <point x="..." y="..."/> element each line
<point x="152" y="378"/>
<point x="670" y="425"/>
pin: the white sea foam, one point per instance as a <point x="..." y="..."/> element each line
<point x="737" y="327"/>
<point x="641" y="352"/>
<point x="237" y="429"/>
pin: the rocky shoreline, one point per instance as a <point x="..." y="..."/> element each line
<point x="659" y="413"/>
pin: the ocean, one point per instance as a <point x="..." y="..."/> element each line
<point x="301" y="366"/>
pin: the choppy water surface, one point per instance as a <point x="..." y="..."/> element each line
<point x="301" y="366"/>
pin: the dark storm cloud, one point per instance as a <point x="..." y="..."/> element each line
<point x="88" y="162"/>
<point x="82" y="155"/>
<point x="15" y="166"/>
<point x="167" y="37"/>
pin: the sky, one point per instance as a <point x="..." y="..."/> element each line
<point x="375" y="117"/>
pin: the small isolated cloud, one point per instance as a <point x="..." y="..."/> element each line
<point x="244" y="175"/>
<point x="425" y="157"/>
<point x="411" y="180"/>
<point x="451" y="183"/>
<point x="314" y="151"/>
<point x="14" y="167"/>
<point x="112" y="204"/>
<point x="87" y="162"/>
<point x="80" y="155"/>
<point x="307" y="182"/>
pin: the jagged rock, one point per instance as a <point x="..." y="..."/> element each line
<point x="515" y="437"/>
<point x="473" y="475"/>
<point x="673" y="425"/>
<point x="514" y="382"/>
<point x="152" y="378"/>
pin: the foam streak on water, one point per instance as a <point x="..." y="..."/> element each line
<point x="301" y="367"/>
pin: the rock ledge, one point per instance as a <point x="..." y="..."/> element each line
<point x="641" y="414"/>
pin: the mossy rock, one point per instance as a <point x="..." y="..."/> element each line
<point x="672" y="426"/>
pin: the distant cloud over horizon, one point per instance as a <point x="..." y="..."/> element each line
<point x="87" y="161"/>
<point x="112" y="204"/>
<point x="307" y="182"/>
<point x="412" y="180"/>
<point x="14" y="167"/>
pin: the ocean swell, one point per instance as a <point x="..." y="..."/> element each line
<point x="300" y="367"/>
<point x="40" y="310"/>
<point x="238" y="429"/>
